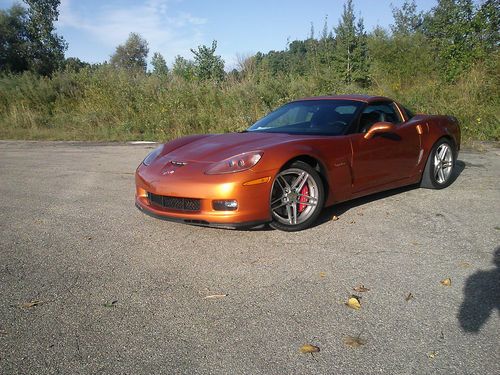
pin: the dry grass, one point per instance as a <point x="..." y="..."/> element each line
<point x="109" y="105"/>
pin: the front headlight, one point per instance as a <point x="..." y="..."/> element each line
<point x="237" y="163"/>
<point x="152" y="155"/>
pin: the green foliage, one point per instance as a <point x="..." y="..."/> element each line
<point x="132" y="54"/>
<point x="401" y="61"/>
<point x="183" y="68"/>
<point x="14" y="40"/>
<point x="450" y="28"/>
<point x="487" y="26"/>
<point x="406" y="19"/>
<point x="28" y="40"/>
<point x="46" y="48"/>
<point x="74" y="64"/>
<point x="159" y="65"/>
<point x="207" y="65"/>
<point x="351" y="47"/>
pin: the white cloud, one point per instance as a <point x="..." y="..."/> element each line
<point x="168" y="32"/>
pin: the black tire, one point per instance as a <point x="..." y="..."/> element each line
<point x="439" y="171"/>
<point x="288" y="212"/>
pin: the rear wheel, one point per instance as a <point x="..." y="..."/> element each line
<point x="297" y="197"/>
<point x="440" y="165"/>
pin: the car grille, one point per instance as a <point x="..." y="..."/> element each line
<point x="175" y="203"/>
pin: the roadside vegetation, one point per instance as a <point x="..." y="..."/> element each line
<point x="445" y="61"/>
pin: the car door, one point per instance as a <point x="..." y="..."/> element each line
<point x="385" y="158"/>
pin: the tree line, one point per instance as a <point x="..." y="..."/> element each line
<point x="455" y="33"/>
<point x="450" y="38"/>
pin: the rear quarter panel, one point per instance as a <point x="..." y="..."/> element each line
<point x="440" y="126"/>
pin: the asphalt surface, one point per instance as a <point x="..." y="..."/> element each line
<point x="122" y="293"/>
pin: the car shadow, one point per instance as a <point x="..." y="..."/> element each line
<point x="341" y="208"/>
<point x="459" y="168"/>
<point x="481" y="297"/>
<point x="338" y="209"/>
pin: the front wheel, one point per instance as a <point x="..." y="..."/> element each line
<point x="297" y="197"/>
<point x="440" y="165"/>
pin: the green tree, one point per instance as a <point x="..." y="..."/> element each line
<point x="487" y="25"/>
<point x="183" y="68"/>
<point x="159" y="64"/>
<point x="450" y="28"/>
<point x="46" y="48"/>
<point x="406" y="19"/>
<point x="350" y="47"/>
<point x="132" y="54"/>
<point x="325" y="48"/>
<point x="208" y="66"/>
<point x="401" y="62"/>
<point x="14" y="40"/>
<point x="402" y="59"/>
<point x="360" y="61"/>
<point x="74" y="64"/>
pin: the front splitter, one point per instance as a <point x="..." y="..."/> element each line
<point x="202" y="223"/>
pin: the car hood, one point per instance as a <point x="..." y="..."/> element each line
<point x="218" y="147"/>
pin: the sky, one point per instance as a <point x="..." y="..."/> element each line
<point x="94" y="28"/>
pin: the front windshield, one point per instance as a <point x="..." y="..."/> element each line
<point x="322" y="117"/>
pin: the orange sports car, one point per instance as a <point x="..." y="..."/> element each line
<point x="306" y="155"/>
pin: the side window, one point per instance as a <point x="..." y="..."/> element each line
<point x="378" y="112"/>
<point x="409" y="113"/>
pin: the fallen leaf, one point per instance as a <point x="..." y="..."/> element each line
<point x="352" y="222"/>
<point x="322" y="274"/>
<point x="446" y="282"/>
<point x="110" y="304"/>
<point x="409" y="297"/>
<point x="308" y="348"/>
<point x="335" y="218"/>
<point x="353" y="302"/>
<point x="354" y="342"/>
<point x="497" y="228"/>
<point x="432" y="355"/>
<point x="361" y="288"/>
<point x="30" y="304"/>
<point x="215" y="296"/>
<point x="464" y="264"/>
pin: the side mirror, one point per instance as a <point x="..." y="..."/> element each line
<point x="379" y="128"/>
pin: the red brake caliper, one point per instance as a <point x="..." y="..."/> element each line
<point x="302" y="199"/>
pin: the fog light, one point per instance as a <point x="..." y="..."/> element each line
<point x="226" y="205"/>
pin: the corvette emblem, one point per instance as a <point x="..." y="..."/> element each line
<point x="172" y="167"/>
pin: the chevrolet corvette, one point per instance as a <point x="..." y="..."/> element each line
<point x="306" y="155"/>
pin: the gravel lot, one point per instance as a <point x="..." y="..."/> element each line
<point x="122" y="293"/>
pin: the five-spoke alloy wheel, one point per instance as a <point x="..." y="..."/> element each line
<point x="440" y="165"/>
<point x="297" y="197"/>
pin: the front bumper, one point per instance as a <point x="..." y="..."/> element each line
<point x="253" y="200"/>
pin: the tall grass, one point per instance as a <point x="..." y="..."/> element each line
<point x="114" y="105"/>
